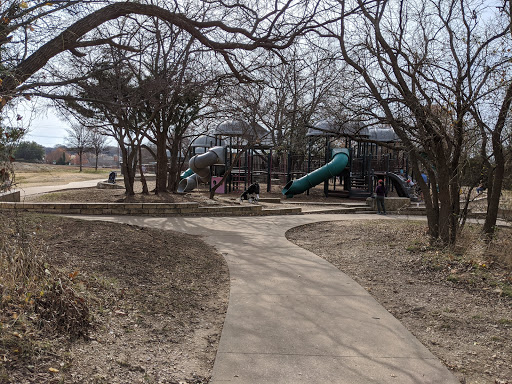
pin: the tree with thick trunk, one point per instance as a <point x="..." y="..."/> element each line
<point x="422" y="73"/>
<point x="495" y="177"/>
<point x="108" y="104"/>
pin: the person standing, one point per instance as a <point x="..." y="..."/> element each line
<point x="380" y="194"/>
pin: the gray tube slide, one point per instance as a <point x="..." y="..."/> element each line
<point x="401" y="187"/>
<point x="200" y="165"/>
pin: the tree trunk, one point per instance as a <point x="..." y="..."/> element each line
<point x="444" y="187"/>
<point x="496" y="181"/>
<point x="465" y="210"/>
<point x="173" y="176"/>
<point x="454" y="206"/>
<point x="434" y="229"/>
<point x="454" y="213"/>
<point x="127" y="171"/>
<point x="493" y="200"/>
<point x="80" y="159"/>
<point x="429" y="196"/>
<point x="161" y="163"/>
<point x="145" y="189"/>
<point x="445" y="210"/>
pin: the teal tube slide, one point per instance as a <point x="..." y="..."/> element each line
<point x="339" y="161"/>
<point x="186" y="174"/>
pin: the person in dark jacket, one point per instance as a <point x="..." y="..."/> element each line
<point x="380" y="194"/>
<point x="112" y="177"/>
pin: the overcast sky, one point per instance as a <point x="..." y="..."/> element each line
<point x="44" y="125"/>
<point x="47" y="131"/>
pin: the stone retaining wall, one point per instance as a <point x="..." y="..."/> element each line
<point x="107" y="185"/>
<point x="104" y="208"/>
<point x="154" y="209"/>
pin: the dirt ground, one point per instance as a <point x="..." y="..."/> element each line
<point x="160" y="304"/>
<point x="459" y="305"/>
<point x="157" y="301"/>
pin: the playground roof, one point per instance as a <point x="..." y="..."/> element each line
<point x="385" y="135"/>
<point x="233" y="128"/>
<point x="206" y="141"/>
<point x="331" y="128"/>
<point x="240" y="128"/>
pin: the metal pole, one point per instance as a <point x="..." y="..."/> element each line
<point x="289" y="168"/>
<point x="327" y="158"/>
<point x="269" y="171"/>
<point x="387" y="171"/>
<point x="348" y="181"/>
<point x="230" y="161"/>
<point x="309" y="159"/>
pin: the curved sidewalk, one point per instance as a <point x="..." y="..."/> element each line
<point x="52" y="188"/>
<point x="294" y="318"/>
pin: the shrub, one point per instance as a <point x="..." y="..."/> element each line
<point x="37" y="302"/>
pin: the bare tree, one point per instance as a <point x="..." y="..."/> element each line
<point x="225" y="30"/>
<point x="165" y="89"/>
<point x="109" y="105"/>
<point x="276" y="28"/>
<point x="493" y="155"/>
<point x="173" y="80"/>
<point x="98" y="145"/>
<point x="79" y="140"/>
<point x="421" y="73"/>
<point x="293" y="89"/>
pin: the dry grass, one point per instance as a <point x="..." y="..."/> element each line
<point x="475" y="261"/>
<point x="506" y="199"/>
<point x="33" y="175"/>
<point x="36" y="300"/>
<point x="131" y="292"/>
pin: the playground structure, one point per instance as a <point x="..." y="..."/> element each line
<point x="199" y="171"/>
<point x="372" y="154"/>
<point x="347" y="158"/>
<point x="246" y="151"/>
<point x="334" y="168"/>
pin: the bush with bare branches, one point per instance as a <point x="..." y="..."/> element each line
<point x="37" y="301"/>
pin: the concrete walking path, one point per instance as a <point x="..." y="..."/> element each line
<point x="293" y="317"/>
<point x="53" y="188"/>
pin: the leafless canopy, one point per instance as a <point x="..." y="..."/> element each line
<point x="221" y="27"/>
